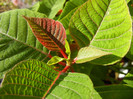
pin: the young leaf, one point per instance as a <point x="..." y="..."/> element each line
<point x="55" y="60"/>
<point x="115" y="91"/>
<point x="17" y="42"/>
<point x="104" y="25"/>
<point x="49" y="32"/>
<point x="67" y="47"/>
<point x="28" y="79"/>
<point x="86" y="54"/>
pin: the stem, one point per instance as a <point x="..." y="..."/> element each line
<point x="62" y="63"/>
<point x="63" y="71"/>
<point x="74" y="61"/>
<point x="52" y="85"/>
<point x="63" y="53"/>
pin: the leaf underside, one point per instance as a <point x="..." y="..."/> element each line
<point x="105" y="25"/>
<point x="50" y="33"/>
<point x="87" y="54"/>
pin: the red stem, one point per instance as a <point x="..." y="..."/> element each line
<point x="62" y="63"/>
<point x="52" y="85"/>
<point x="63" y="71"/>
<point x="74" y="61"/>
<point x="63" y="53"/>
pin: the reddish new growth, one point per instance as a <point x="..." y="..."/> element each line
<point x="66" y="68"/>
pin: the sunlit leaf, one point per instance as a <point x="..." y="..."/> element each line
<point x="89" y="53"/>
<point x="105" y="25"/>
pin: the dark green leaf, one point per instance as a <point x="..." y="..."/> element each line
<point x="115" y="92"/>
<point x="17" y="42"/>
<point x="49" y="7"/>
<point x="27" y="80"/>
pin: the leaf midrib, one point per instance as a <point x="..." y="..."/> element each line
<point x="100" y="24"/>
<point x="24" y="43"/>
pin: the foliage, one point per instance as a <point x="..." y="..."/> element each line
<point x="66" y="49"/>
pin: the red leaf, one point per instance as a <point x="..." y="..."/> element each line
<point x="49" y="32"/>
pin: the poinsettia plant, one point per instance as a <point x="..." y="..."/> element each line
<point x="66" y="49"/>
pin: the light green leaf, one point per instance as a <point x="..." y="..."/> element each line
<point x="86" y="54"/>
<point x="27" y="80"/>
<point x="67" y="47"/>
<point x="55" y="60"/>
<point x="115" y="92"/>
<point x="105" y="25"/>
<point x="49" y="7"/>
<point x="74" y="86"/>
<point x="17" y="42"/>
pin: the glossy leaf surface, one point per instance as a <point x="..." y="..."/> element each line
<point x="104" y="25"/>
<point x="17" y="42"/>
<point x="50" y="33"/>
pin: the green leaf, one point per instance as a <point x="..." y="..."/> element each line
<point x="55" y="60"/>
<point x="128" y="1"/>
<point x="49" y="7"/>
<point x="104" y="25"/>
<point x="32" y="78"/>
<point x="131" y="8"/>
<point x="27" y="80"/>
<point x="67" y="47"/>
<point x="74" y="86"/>
<point x="70" y="7"/>
<point x="129" y="78"/>
<point x="49" y="32"/>
<point x="17" y="42"/>
<point x="86" y="54"/>
<point x="115" y="92"/>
